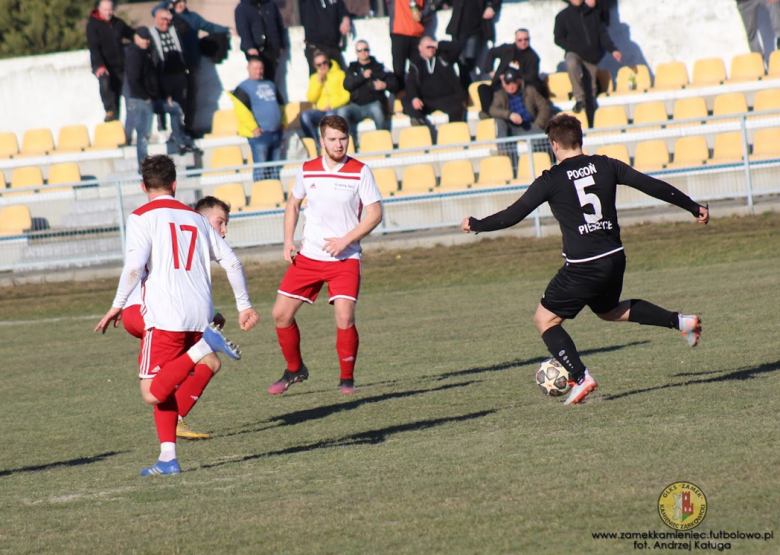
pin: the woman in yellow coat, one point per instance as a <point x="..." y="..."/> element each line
<point x="326" y="92"/>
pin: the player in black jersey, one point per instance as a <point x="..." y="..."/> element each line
<point x="581" y="190"/>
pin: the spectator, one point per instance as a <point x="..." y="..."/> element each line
<point x="145" y="98"/>
<point x="748" y="9"/>
<point x="581" y="32"/>
<point x="432" y="83"/>
<point x="407" y="25"/>
<point x="105" y="35"/>
<point x="368" y="83"/>
<point x="510" y="112"/>
<point x="259" y="24"/>
<point x="190" y="42"/>
<point x="326" y="24"/>
<point x="326" y="92"/>
<point x="257" y="106"/>
<point x="168" y="56"/>
<point x="518" y="56"/>
<point x="473" y="24"/>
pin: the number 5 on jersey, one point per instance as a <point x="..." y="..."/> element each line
<point x="193" y="231"/>
<point x="588" y="198"/>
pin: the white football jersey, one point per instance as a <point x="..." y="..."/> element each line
<point x="335" y="201"/>
<point x="173" y="245"/>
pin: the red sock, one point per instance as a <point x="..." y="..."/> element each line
<point x="192" y="388"/>
<point x="166" y="416"/>
<point x="290" y="342"/>
<point x="171" y="375"/>
<point x="347" y="342"/>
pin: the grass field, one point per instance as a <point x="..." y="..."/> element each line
<point x="447" y="447"/>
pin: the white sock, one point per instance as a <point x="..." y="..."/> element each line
<point x="167" y="451"/>
<point x="198" y="351"/>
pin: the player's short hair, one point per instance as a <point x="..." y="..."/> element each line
<point x="158" y="172"/>
<point x="334" y="122"/>
<point x="209" y="202"/>
<point x="565" y="130"/>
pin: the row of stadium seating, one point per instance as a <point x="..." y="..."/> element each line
<point x="71" y="138"/>
<point x="32" y="176"/>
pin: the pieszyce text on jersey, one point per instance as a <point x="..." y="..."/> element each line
<point x="595" y="226"/>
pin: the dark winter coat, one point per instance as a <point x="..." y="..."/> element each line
<point x="361" y="90"/>
<point x="259" y="24"/>
<point x="141" y="75"/>
<point x="581" y="29"/>
<point x="104" y="39"/>
<point x="443" y="82"/>
<point x="526" y="63"/>
<point x="488" y="25"/>
<point x="321" y="20"/>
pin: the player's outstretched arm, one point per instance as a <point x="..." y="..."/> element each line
<point x="704" y="214"/>
<point x="113" y="315"/>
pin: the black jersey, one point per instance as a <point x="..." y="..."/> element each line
<point x="581" y="193"/>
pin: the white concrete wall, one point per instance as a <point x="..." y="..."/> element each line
<point x="59" y="89"/>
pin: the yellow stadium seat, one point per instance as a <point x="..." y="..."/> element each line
<point x="67" y="172"/>
<point x="30" y="176"/>
<point x="486" y="130"/>
<point x="456" y="174"/>
<point x="109" y="135"/>
<point x="8" y="145"/>
<point x="224" y="123"/>
<point x="386" y="180"/>
<point x="650" y="112"/>
<point x="728" y="104"/>
<point x="766" y="99"/>
<point x="311" y="146"/>
<point x="671" y="75"/>
<point x="226" y="157"/>
<point x="773" y="70"/>
<point x="728" y="148"/>
<point x="495" y="170"/>
<point x="474" y="103"/>
<point x="418" y="179"/>
<point x="689" y="108"/>
<point x="641" y="75"/>
<point x="415" y="137"/>
<point x="292" y="113"/>
<point x="3" y="184"/>
<point x="541" y="163"/>
<point x="708" y="72"/>
<point x="746" y="67"/>
<point x="651" y="155"/>
<point x="690" y="152"/>
<point x="72" y="138"/>
<point x="766" y="144"/>
<point x="560" y="86"/>
<point x="266" y="195"/>
<point x="618" y="152"/>
<point x="233" y="194"/>
<point x="610" y="116"/>
<point x="14" y="220"/>
<point x="376" y="141"/>
<point x="37" y="142"/>
<point x="454" y="133"/>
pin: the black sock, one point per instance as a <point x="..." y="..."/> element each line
<point x="648" y="314"/>
<point x="561" y="346"/>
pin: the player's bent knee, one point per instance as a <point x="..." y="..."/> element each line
<point x="146" y="393"/>
<point x="212" y="361"/>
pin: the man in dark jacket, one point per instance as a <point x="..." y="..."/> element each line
<point x="259" y="24"/>
<point x="145" y="97"/>
<point x="368" y="83"/>
<point x="581" y="32"/>
<point x="105" y="34"/>
<point x="189" y="33"/>
<point x="326" y="24"/>
<point x="432" y="83"/>
<point x="473" y="24"/>
<point x="519" y="57"/>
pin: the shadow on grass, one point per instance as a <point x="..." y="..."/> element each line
<point x="306" y="415"/>
<point x="73" y="462"/>
<point x="738" y="375"/>
<point x="371" y="437"/>
<point x="520" y="362"/>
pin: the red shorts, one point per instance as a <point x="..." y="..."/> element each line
<point x="159" y="347"/>
<point x="304" y="279"/>
<point x="133" y="321"/>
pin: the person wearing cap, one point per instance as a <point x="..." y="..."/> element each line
<point x="511" y="115"/>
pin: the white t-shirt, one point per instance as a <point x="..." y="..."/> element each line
<point x="173" y="245"/>
<point x="335" y="201"/>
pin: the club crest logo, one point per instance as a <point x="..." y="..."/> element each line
<point x="682" y="506"/>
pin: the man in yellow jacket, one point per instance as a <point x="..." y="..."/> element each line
<point x="326" y="92"/>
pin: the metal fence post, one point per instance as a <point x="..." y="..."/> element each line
<point x="121" y="208"/>
<point x="746" y="152"/>
<point x="532" y="170"/>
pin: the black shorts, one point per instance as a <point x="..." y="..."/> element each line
<point x="596" y="284"/>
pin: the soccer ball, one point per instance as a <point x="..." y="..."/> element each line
<point x="552" y="378"/>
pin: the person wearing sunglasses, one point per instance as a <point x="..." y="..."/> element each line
<point x="326" y="92"/>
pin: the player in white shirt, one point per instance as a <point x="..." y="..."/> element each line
<point x="218" y="214"/>
<point x="174" y="245"/>
<point x="339" y="190"/>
